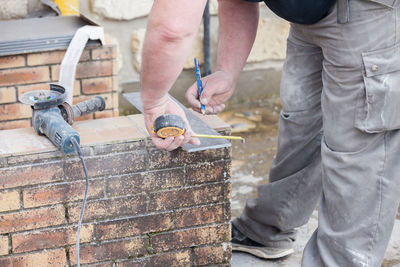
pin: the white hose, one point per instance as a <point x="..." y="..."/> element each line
<point x="73" y="54"/>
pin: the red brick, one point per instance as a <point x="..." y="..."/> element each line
<point x="199" y="215"/>
<point x="212" y="255"/>
<point x="145" y="181"/>
<point x="32" y="219"/>
<point x="54" y="57"/>
<point x="181" y="258"/>
<point x="22" y="89"/>
<point x="109" y="208"/>
<point x="46" y="239"/>
<point x="134" y="226"/>
<point x="110" y="251"/>
<point x="9" y="201"/>
<point x="104" y="114"/>
<point x="24" y="76"/>
<point x="7" y="125"/>
<point x="66" y="192"/>
<point x="228" y="190"/>
<point x="30" y="174"/>
<point x="50" y="258"/>
<point x="15" y="111"/>
<point x="85" y="117"/>
<point x="7" y="95"/>
<point x="208" y="172"/>
<point x="3" y="245"/>
<point x="175" y="199"/>
<point x="161" y="159"/>
<point x="118" y="147"/>
<point x="77" y="88"/>
<point x="97" y="85"/>
<point x="87" y="70"/>
<point x="35" y="158"/>
<point x="9" y="62"/>
<point x="112" y="164"/>
<point x="190" y="238"/>
<point x="107" y="52"/>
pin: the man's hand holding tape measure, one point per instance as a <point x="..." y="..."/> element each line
<point x="159" y="108"/>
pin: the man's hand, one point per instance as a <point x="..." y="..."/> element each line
<point x="218" y="88"/>
<point x="168" y="106"/>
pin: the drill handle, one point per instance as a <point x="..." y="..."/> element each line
<point x="92" y="105"/>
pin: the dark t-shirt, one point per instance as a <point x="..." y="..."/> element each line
<point x="299" y="11"/>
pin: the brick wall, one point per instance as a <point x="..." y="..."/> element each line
<point x="96" y="75"/>
<point x="145" y="207"/>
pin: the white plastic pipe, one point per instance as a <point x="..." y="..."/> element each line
<point x="73" y="54"/>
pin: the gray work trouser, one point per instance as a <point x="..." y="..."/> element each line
<point x="338" y="138"/>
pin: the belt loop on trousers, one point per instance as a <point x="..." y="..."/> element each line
<point x="343" y="11"/>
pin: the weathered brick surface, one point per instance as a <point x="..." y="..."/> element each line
<point x="54" y="57"/>
<point x="112" y="164"/>
<point x="46" y="239"/>
<point x="44" y="157"/>
<point x="97" y="85"/>
<point x="109" y="208"/>
<point x="87" y="69"/>
<point x="145" y="181"/>
<point x="31" y="219"/>
<point x="160" y="159"/>
<point x="46" y="258"/>
<point x="9" y="77"/>
<point x="134" y="226"/>
<point x="169" y="212"/>
<point x="191" y="237"/>
<point x="30" y="174"/>
<point x="12" y="62"/>
<point x="15" y="111"/>
<point x="212" y="255"/>
<point x="181" y="258"/>
<point x="8" y="95"/>
<point x="59" y="193"/>
<point x="199" y="215"/>
<point x="9" y="200"/>
<point x="104" y="53"/>
<point x="174" y="199"/>
<point x="207" y="172"/>
<point x="3" y="245"/>
<point x="111" y="250"/>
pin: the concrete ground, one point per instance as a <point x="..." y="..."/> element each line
<point x="250" y="166"/>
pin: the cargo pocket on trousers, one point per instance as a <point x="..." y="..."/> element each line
<point x="388" y="3"/>
<point x="379" y="107"/>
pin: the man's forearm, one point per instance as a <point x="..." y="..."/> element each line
<point x="171" y="29"/>
<point x="237" y="31"/>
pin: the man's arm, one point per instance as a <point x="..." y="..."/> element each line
<point x="238" y="21"/>
<point x="171" y="28"/>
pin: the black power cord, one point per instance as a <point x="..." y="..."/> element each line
<point x="79" y="151"/>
